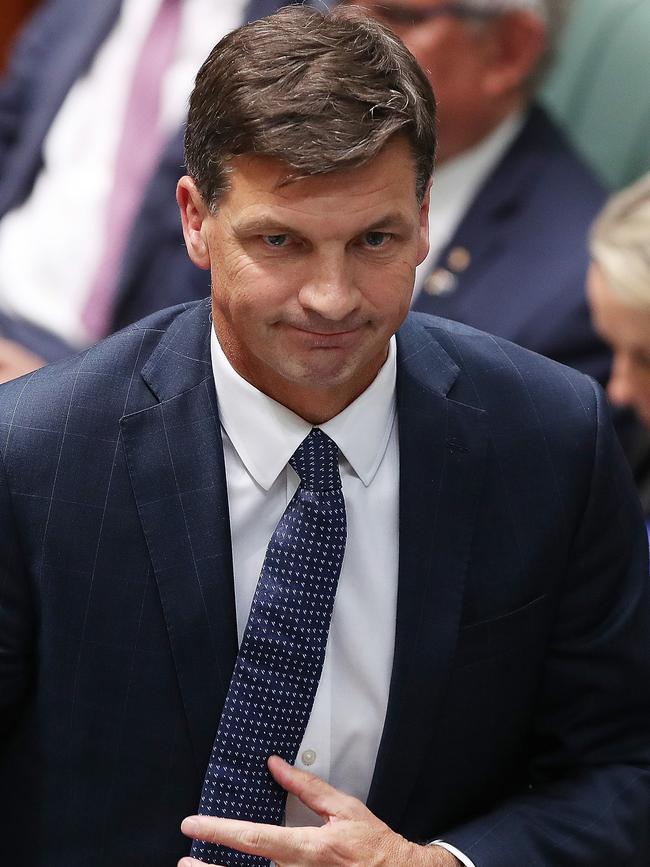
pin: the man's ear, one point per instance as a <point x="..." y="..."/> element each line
<point x="194" y="213"/>
<point x="423" y="238"/>
<point x="519" y="41"/>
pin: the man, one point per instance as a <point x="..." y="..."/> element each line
<point x="89" y="82"/>
<point x="512" y="202"/>
<point x="477" y="679"/>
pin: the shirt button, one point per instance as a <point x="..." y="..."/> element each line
<point x="308" y="757"/>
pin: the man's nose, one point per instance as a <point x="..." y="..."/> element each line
<point x="330" y="290"/>
<point x="621" y="388"/>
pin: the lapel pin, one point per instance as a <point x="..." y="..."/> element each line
<point x="440" y="282"/>
<point x="459" y="259"/>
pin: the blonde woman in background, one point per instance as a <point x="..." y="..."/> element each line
<point x="619" y="295"/>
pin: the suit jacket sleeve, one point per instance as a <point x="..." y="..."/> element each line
<point x="588" y="798"/>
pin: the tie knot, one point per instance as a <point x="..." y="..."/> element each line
<point x="316" y="460"/>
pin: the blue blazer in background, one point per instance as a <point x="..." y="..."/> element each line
<point x="516" y="265"/>
<point x="518" y="722"/>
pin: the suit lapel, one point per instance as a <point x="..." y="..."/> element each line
<point x="458" y="278"/>
<point x="442" y="450"/>
<point x="175" y="462"/>
<point x="182" y="504"/>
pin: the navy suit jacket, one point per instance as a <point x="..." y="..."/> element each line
<point x="56" y="48"/>
<point x="518" y="723"/>
<point x="526" y="236"/>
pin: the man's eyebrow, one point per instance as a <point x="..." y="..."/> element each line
<point x="264" y="224"/>
<point x="389" y="220"/>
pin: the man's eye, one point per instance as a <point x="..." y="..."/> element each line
<point x="276" y="240"/>
<point x="377" y="239"/>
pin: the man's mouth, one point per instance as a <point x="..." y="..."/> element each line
<point x="327" y="338"/>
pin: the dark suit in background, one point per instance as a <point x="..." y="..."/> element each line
<point x="522" y="269"/>
<point x="526" y="236"/>
<point x="519" y="692"/>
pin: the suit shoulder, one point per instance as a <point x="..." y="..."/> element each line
<point x="103" y="379"/>
<point x="496" y="372"/>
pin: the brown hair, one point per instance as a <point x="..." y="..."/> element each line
<point x="321" y="91"/>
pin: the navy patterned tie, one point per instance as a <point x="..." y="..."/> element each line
<point x="281" y="655"/>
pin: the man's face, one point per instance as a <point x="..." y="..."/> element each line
<point x="463" y="58"/>
<point x="310" y="279"/>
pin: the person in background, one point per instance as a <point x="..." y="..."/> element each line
<point x="619" y="295"/>
<point x="91" y="111"/>
<point x="512" y="202"/>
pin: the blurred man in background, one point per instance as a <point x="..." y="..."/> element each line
<point x="511" y="202"/>
<point x="90" y="153"/>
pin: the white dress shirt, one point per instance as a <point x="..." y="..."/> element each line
<point x="455" y="186"/>
<point x="259" y="436"/>
<point x="52" y="243"/>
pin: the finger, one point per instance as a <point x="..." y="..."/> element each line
<point x="315" y="793"/>
<point x="192" y="862"/>
<point x="253" y="838"/>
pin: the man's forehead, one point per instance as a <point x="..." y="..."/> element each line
<point x="271" y="178"/>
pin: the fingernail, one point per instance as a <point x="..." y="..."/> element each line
<point x="190" y="826"/>
<point x="187" y="862"/>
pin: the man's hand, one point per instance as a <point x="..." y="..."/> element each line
<point x="351" y="835"/>
<point x="16" y="360"/>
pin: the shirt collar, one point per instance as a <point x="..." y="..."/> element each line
<point x="265" y="433"/>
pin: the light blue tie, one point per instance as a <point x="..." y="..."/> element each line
<point x="281" y="655"/>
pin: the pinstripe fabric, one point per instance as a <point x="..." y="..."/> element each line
<point x="522" y="647"/>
